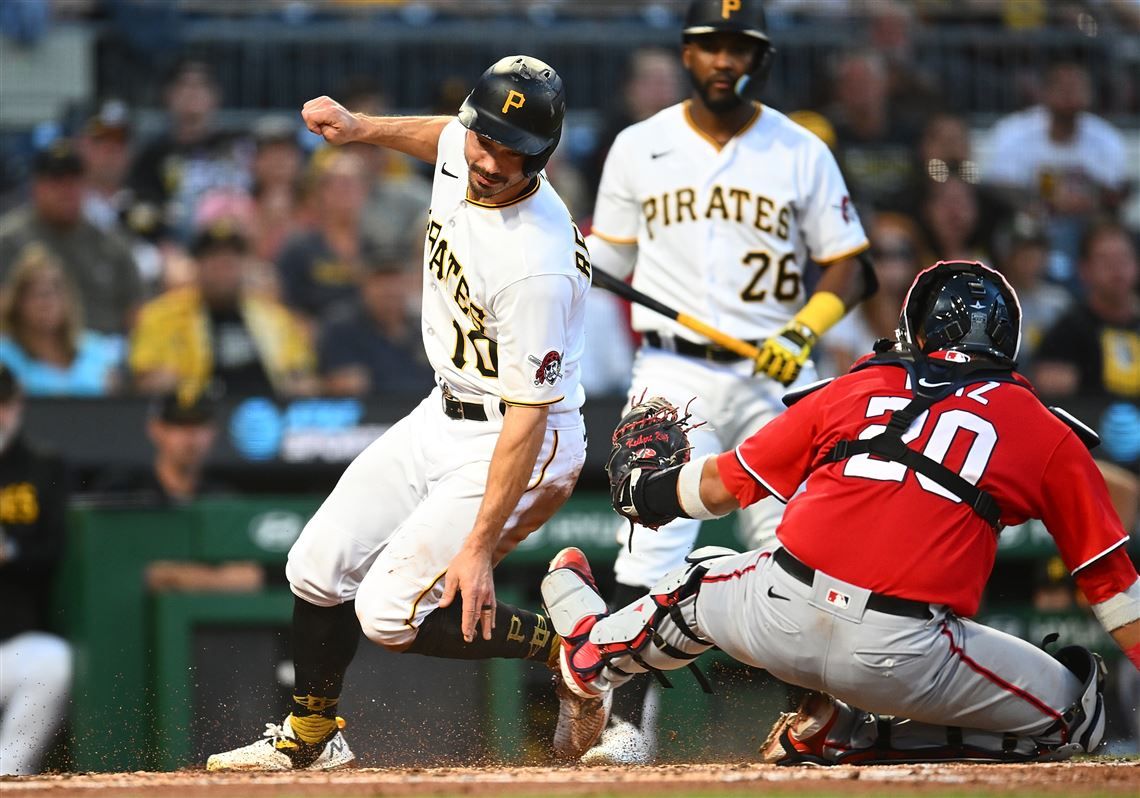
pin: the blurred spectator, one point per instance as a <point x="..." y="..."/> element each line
<point x="277" y="173"/>
<point x="653" y="82"/>
<point x="950" y="216"/>
<point x="42" y="339"/>
<point x="217" y="331"/>
<point x="192" y="156"/>
<point x="945" y="152"/>
<point x="322" y="267"/>
<point x="1094" y="349"/>
<point x="105" y="147"/>
<point x="899" y="253"/>
<point x="277" y="160"/>
<point x="236" y="209"/>
<point x="1060" y="158"/>
<point x="373" y="345"/>
<point x="35" y="664"/>
<point x="395" y="212"/>
<point x="874" y="146"/>
<point x="1024" y="263"/>
<point x="278" y="213"/>
<point x="891" y="33"/>
<point x="99" y="264"/>
<point x="182" y="429"/>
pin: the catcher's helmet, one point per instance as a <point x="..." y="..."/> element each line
<point x="519" y="102"/>
<point x="962" y="306"/>
<point x="745" y="17"/>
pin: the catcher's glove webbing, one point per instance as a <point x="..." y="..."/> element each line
<point x="651" y="437"/>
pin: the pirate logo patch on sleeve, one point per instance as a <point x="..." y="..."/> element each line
<point x="548" y="369"/>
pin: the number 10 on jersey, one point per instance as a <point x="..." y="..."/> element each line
<point x="486" y="351"/>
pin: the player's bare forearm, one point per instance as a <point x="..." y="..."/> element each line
<point x="469" y="572"/>
<point x="715" y="496"/>
<point x="1127" y="636"/>
<point x="844" y="278"/>
<point x="417" y="136"/>
<point x="511" y="465"/>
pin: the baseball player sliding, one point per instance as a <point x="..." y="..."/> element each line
<point x="913" y="463"/>
<point x="404" y="546"/>
<point x="715" y="206"/>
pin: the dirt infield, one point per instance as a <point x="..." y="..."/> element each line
<point x="1070" y="779"/>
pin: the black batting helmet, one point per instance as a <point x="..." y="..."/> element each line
<point x="519" y="102"/>
<point x="962" y="306"/>
<point x="745" y="17"/>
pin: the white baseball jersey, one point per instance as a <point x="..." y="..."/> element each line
<point x="503" y="313"/>
<point x="504" y="290"/>
<point x="723" y="233"/>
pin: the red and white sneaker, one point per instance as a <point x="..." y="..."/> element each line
<point x="572" y="600"/>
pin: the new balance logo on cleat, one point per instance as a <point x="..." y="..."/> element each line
<point x="279" y="749"/>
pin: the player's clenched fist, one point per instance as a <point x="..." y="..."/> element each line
<point x="326" y="117"/>
<point x="784" y="354"/>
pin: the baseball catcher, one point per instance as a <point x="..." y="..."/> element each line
<point x="852" y="600"/>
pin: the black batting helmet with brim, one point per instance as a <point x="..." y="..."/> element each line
<point x="519" y="103"/>
<point x="745" y="17"/>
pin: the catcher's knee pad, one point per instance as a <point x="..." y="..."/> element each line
<point x="659" y="632"/>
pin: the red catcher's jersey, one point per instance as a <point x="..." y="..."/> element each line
<point x="880" y="526"/>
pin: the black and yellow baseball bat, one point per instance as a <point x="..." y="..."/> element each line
<point x="626" y="291"/>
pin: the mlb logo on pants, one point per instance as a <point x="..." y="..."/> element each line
<point x="840" y="600"/>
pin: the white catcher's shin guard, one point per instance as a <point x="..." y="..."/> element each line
<point x="656" y="633"/>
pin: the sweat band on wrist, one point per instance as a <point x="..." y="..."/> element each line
<point x="1118" y="610"/>
<point x="689" y="490"/>
<point x="822" y="312"/>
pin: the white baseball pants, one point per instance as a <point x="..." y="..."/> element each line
<point x="404" y="506"/>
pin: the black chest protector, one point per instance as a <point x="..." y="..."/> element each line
<point x="931" y="381"/>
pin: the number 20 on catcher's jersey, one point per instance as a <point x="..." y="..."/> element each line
<point x="948" y="425"/>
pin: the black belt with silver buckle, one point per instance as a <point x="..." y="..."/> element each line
<point x="891" y="605"/>
<point x="682" y="346"/>
<point x="469" y="411"/>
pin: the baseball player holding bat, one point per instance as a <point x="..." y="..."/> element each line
<point x="715" y="206"/>
<point x="404" y="546"/>
<point x="911" y="465"/>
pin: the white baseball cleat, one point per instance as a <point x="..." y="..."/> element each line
<point x="621" y="743"/>
<point x="279" y="749"/>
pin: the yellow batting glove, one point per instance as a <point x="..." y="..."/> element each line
<point x="784" y="354"/>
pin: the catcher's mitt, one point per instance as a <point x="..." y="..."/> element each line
<point x="652" y="436"/>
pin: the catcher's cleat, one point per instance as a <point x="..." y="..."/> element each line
<point x="279" y="749"/>
<point x="580" y="721"/>
<point x="621" y="743"/>
<point x="572" y="600"/>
